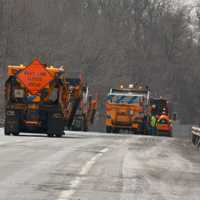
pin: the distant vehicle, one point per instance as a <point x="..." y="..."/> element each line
<point x="82" y="107"/>
<point x="162" y="111"/>
<point x="40" y="99"/>
<point x="128" y="109"/>
<point x="34" y="95"/>
<point x="164" y="125"/>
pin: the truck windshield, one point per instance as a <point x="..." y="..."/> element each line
<point x="120" y="99"/>
<point x="159" y="106"/>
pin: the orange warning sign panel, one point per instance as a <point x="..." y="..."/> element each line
<point x="34" y="77"/>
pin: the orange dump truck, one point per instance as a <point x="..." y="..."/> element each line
<point x="40" y="99"/>
<point x="127" y="109"/>
<point x="34" y="97"/>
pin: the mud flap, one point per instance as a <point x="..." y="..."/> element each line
<point x="56" y="124"/>
<point x="12" y="124"/>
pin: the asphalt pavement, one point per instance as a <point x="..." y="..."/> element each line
<point x="95" y="166"/>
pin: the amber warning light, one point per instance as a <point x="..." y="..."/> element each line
<point x="34" y="77"/>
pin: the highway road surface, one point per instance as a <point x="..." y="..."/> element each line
<point x="98" y="167"/>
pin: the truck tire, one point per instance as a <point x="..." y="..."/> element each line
<point x="16" y="133"/>
<point x="115" y="130"/>
<point x="50" y="134"/>
<point x="108" y="129"/>
<point x="85" y="127"/>
<point x="6" y="132"/>
<point x="58" y="135"/>
<point x="170" y="134"/>
<point x="85" y="124"/>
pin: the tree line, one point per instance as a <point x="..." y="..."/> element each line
<point x="113" y="42"/>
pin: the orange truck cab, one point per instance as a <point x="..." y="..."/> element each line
<point x="127" y="109"/>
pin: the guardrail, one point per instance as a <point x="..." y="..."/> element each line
<point x="196" y="136"/>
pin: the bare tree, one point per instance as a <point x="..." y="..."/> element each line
<point x="111" y="41"/>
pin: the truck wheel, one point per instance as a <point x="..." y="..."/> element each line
<point x="85" y="129"/>
<point x="58" y="135"/>
<point x="108" y="129"/>
<point x="50" y="134"/>
<point x="85" y="124"/>
<point x="16" y="133"/>
<point x="116" y="130"/>
<point x="133" y="131"/>
<point x="170" y="134"/>
<point x="6" y="132"/>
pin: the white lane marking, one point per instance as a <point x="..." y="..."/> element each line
<point x="66" y="194"/>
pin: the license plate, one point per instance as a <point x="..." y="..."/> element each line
<point x="135" y="126"/>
